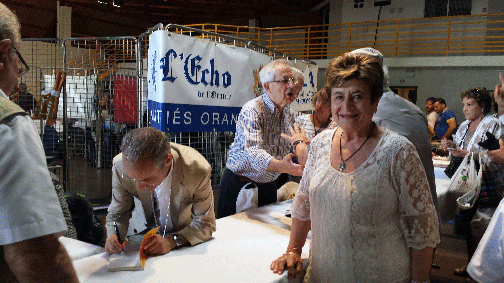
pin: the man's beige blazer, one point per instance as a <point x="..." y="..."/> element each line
<point x="191" y="200"/>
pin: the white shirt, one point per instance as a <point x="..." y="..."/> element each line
<point x="258" y="139"/>
<point x="310" y="130"/>
<point x="163" y="192"/>
<point x="431" y="119"/>
<point x="29" y="206"/>
<point x="487" y="263"/>
<point x="305" y="122"/>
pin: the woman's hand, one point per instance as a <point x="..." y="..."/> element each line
<point x="290" y="261"/>
<point x="445" y="143"/>
<point x="459" y="152"/>
<point x="499" y="92"/>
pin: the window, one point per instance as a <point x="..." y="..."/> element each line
<point x="358" y="4"/>
<point x="458" y="8"/>
<point x="442" y="8"/>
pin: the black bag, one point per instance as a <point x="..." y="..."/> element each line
<point x="453" y="166"/>
<point x="491" y="143"/>
<point x="88" y="226"/>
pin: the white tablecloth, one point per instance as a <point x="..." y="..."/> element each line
<point x="77" y="249"/>
<point x="441" y="161"/>
<point x="241" y="250"/>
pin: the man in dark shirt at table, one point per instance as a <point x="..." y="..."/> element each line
<point x="447" y="123"/>
<point x="258" y="153"/>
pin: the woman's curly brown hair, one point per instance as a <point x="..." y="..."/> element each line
<point x="482" y="97"/>
<point x="356" y="66"/>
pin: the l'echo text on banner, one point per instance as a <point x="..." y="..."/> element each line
<point x="199" y="86"/>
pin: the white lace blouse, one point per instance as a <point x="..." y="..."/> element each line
<point x="364" y="222"/>
<point x="488" y="124"/>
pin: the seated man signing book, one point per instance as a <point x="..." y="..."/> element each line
<point x="172" y="182"/>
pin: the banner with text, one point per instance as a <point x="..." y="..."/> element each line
<point x="200" y="86"/>
<point x="304" y="101"/>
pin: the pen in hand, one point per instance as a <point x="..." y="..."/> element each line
<point x="116" y="229"/>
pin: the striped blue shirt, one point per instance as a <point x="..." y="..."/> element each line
<point x="257" y="139"/>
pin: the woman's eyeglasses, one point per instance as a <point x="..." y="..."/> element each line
<point x="475" y="91"/>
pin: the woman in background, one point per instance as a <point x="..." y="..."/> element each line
<point x="320" y="119"/>
<point x="477" y="104"/>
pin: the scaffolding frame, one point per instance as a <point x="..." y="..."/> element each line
<point x="96" y="110"/>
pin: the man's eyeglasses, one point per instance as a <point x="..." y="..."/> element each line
<point x="286" y="80"/>
<point x="140" y="182"/>
<point x="23" y="69"/>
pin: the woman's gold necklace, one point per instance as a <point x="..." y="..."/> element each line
<point x="342" y="165"/>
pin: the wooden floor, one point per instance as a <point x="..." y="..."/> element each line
<point x="451" y="253"/>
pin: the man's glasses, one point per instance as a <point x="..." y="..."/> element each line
<point x="287" y="80"/>
<point x="23" y="69"/>
<point x="140" y="182"/>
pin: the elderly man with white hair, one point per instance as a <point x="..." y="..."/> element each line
<point x="258" y="154"/>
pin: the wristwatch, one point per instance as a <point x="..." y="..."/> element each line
<point x="178" y="240"/>
<point x="296" y="143"/>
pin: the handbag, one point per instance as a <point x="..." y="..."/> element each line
<point x="453" y="166"/>
<point x="465" y="177"/>
<point x="491" y="142"/>
<point x="247" y="197"/>
<point x="471" y="196"/>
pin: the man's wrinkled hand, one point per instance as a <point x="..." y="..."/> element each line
<point x="296" y="133"/>
<point x="290" y="167"/>
<point x="157" y="245"/>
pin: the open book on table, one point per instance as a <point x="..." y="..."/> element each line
<point x="132" y="258"/>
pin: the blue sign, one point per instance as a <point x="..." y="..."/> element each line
<point x="169" y="117"/>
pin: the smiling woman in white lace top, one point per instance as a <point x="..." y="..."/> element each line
<point x="364" y="193"/>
